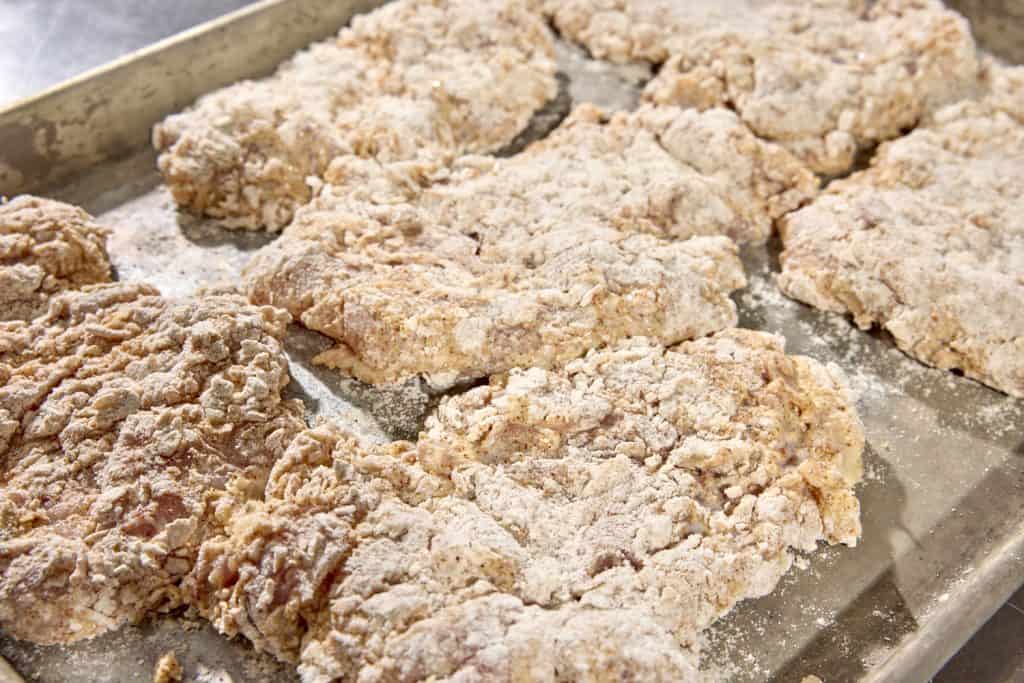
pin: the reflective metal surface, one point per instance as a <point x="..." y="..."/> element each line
<point x="943" y="498"/>
<point x="108" y="112"/>
<point x="48" y="41"/>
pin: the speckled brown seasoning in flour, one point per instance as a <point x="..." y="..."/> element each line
<point x="413" y="79"/>
<point x="126" y="418"/>
<point x="582" y="524"/>
<point x="928" y="241"/>
<point x="824" y="79"/>
<point x="46" y="247"/>
<point x="662" y="170"/>
<point x="610" y="227"/>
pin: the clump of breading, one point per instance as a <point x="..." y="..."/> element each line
<point x="580" y="524"/>
<point x="46" y="247"/>
<point x="928" y="242"/>
<point x="167" y="670"/>
<point x="125" y="419"/>
<point x="608" y="228"/>
<point x="413" y="79"/>
<point x="823" y="79"/>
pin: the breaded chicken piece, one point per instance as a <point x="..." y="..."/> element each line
<point x="665" y="171"/>
<point x="125" y="419"/>
<point x="606" y="229"/>
<point x="928" y="242"/>
<point x="46" y="247"/>
<point x="824" y="79"/>
<point x="581" y="524"/>
<point x="413" y="79"/>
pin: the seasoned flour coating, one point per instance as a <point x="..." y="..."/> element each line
<point x="416" y="78"/>
<point x="46" y="247"/>
<point x="661" y="170"/>
<point x="125" y="419"/>
<point x="606" y="229"/>
<point x="821" y="78"/>
<point x="582" y="524"/>
<point x="928" y="242"/>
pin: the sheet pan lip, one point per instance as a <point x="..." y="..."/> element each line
<point x="108" y="112"/>
<point x="130" y="59"/>
<point x="924" y="651"/>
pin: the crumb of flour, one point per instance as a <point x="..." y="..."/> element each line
<point x="205" y="674"/>
<point x="168" y="670"/>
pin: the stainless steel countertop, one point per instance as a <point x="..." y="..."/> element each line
<point x="43" y="42"/>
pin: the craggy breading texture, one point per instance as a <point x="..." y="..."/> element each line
<point x="582" y="524"/>
<point x="824" y="79"/>
<point x="606" y="229"/>
<point x="413" y="79"/>
<point x="928" y="242"/>
<point x="125" y="419"/>
<point x="46" y="247"/>
<point x="661" y="170"/>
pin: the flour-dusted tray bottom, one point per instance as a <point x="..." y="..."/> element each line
<point x="943" y="542"/>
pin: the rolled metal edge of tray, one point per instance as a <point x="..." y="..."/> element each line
<point x="108" y="112"/>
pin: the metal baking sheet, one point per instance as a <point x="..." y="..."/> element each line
<point x="942" y="499"/>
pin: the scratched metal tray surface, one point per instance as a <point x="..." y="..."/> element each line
<point x="943" y="497"/>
